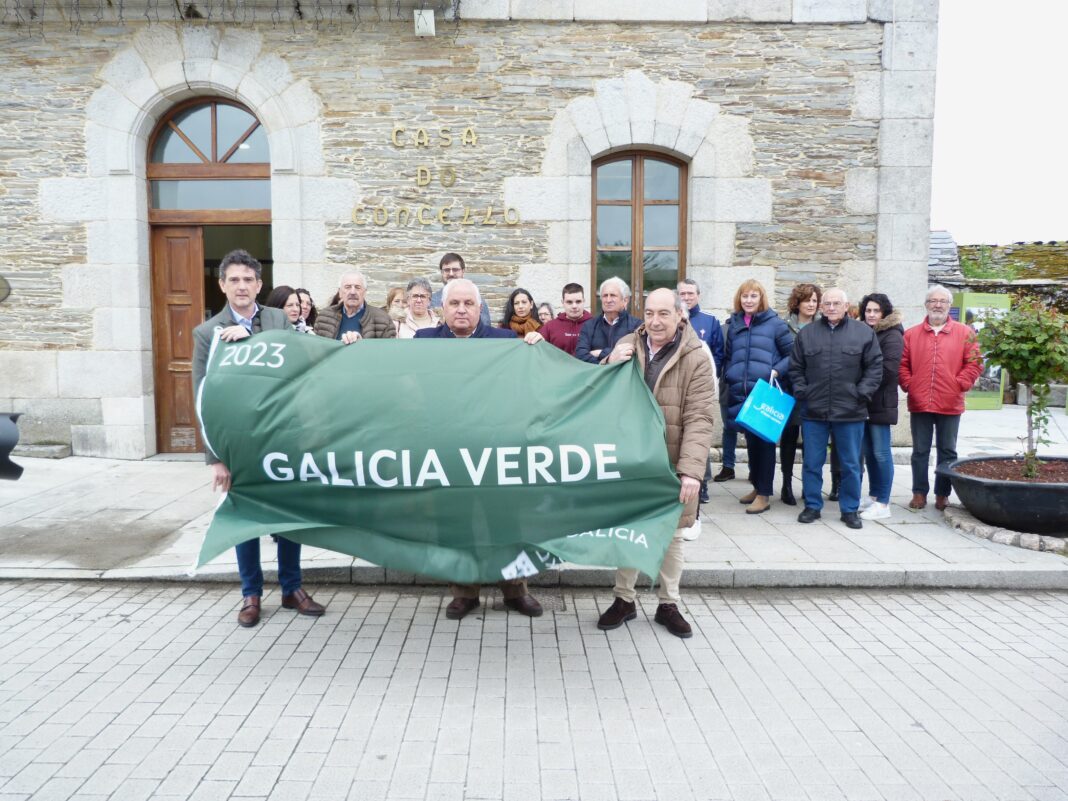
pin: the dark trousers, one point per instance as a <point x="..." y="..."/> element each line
<point x="761" y="463"/>
<point x="943" y="429"/>
<point x="248" y="566"/>
<point x="788" y="448"/>
<point x="510" y="588"/>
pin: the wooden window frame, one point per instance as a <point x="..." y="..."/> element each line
<point x="638" y="203"/>
<point x="213" y="168"/>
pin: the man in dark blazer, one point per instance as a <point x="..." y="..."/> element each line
<point x="240" y="278"/>
<point x="460" y="303"/>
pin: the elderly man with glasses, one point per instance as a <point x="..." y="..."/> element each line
<point x="836" y="366"/>
<point x="939" y="363"/>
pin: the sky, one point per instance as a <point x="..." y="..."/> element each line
<point x="1001" y="121"/>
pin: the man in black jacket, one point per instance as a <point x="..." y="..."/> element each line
<point x="601" y="333"/>
<point x="836" y="367"/>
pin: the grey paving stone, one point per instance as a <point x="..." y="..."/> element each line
<point x="782" y="693"/>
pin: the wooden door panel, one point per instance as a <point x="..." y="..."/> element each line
<point x="177" y="308"/>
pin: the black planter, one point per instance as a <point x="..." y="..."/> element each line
<point x="1017" y="505"/>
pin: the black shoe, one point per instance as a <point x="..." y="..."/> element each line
<point x="808" y="515"/>
<point x="702" y="497"/>
<point x="668" y="615"/>
<point x="459" y="607"/>
<point x="787" y="494"/>
<point x="852" y="520"/>
<point x="836" y="480"/>
<point x="525" y="605"/>
<point x="726" y="474"/>
<point x="617" y="614"/>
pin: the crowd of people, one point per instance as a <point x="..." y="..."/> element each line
<point x="842" y="363"/>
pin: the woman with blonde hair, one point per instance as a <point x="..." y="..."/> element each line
<point x="758" y="347"/>
<point x="396" y="306"/>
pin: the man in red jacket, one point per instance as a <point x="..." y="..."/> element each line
<point x="563" y="330"/>
<point x="939" y="364"/>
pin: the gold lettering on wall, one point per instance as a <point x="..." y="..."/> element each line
<point x="425" y="174"/>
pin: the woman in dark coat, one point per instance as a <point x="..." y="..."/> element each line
<point x="758" y="346"/>
<point x="803" y="308"/>
<point x="878" y="312"/>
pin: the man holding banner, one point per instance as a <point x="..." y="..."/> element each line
<point x="461" y="302"/>
<point x="680" y="374"/>
<point x="240" y="278"/>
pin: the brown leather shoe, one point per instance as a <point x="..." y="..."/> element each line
<point x="459" y="607"/>
<point x="759" y="504"/>
<point x="617" y="614"/>
<point x="525" y="605"/>
<point x="668" y="616"/>
<point x="941" y="502"/>
<point x="749" y="497"/>
<point x="249" y="615"/>
<point x="919" y="501"/>
<point x="303" y="603"/>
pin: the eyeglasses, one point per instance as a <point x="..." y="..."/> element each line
<point x="933" y="302"/>
<point x="451" y="270"/>
<point x="830" y="304"/>
<point x="418" y="296"/>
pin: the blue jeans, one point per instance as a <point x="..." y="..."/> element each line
<point x="879" y="460"/>
<point x="848" y="438"/>
<point x="248" y="566"/>
<point x="943" y="428"/>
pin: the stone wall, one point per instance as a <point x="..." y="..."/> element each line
<point x="808" y="147"/>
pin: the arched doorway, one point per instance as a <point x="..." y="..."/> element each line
<point x="209" y="192"/>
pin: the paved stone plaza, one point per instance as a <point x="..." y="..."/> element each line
<point x="131" y="691"/>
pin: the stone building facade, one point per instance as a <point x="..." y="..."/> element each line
<point x="804" y="128"/>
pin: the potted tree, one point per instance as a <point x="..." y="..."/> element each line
<point x="1024" y="492"/>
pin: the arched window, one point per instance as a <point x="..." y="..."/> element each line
<point x="209" y="162"/>
<point x="639" y="222"/>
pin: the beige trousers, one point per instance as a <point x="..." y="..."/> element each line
<point x="670" y="575"/>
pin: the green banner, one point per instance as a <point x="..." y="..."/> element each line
<point x="470" y="461"/>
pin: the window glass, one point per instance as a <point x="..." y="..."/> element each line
<point x="171" y="149"/>
<point x="661" y="226"/>
<point x="613" y="226"/>
<point x="611" y="263"/>
<point x="661" y="180"/>
<point x="195" y="123"/>
<point x="613" y="180"/>
<point x="221" y="194"/>
<point x="230" y="123"/>
<point x="660" y="268"/>
<point x="252" y="150"/>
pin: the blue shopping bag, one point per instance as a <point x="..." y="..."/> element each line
<point x="766" y="411"/>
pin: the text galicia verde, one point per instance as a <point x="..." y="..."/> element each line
<point x="503" y="466"/>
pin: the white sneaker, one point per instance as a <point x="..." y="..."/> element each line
<point x="866" y="502"/>
<point x="877" y="511"/>
<point x="693" y="532"/>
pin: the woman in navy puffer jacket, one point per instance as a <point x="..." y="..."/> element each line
<point x="758" y="346"/>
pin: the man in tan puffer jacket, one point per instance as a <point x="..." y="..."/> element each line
<point x="681" y="374"/>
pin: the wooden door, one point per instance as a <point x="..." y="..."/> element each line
<point x="177" y="308"/>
